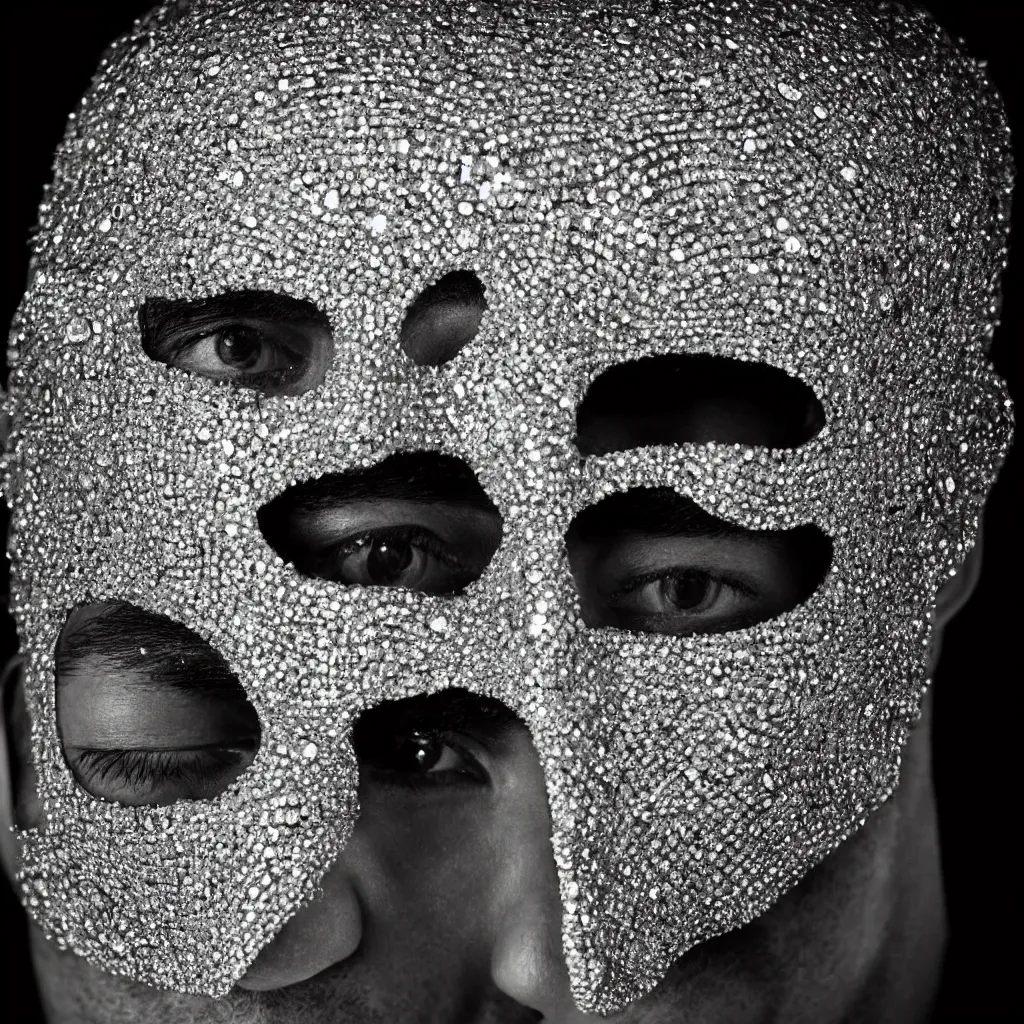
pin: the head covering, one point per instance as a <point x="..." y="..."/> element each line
<point x="819" y="188"/>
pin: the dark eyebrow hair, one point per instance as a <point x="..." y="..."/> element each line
<point x="658" y="511"/>
<point x="424" y="476"/>
<point x="158" y="314"/>
<point x="452" y="710"/>
<point x="179" y="658"/>
<point x="167" y="652"/>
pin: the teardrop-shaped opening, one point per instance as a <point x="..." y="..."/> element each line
<point x="443" y="319"/>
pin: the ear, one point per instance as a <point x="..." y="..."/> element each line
<point x="952" y="596"/>
<point x="956" y="591"/>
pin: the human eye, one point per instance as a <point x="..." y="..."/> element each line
<point x="256" y="340"/>
<point x="147" y="711"/>
<point x="683" y="600"/>
<point x="653" y="561"/>
<point x="411" y="557"/>
<point x="160" y="776"/>
<point x="418" y="759"/>
<point x="237" y="350"/>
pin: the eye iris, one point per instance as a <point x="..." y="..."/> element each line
<point x="387" y="560"/>
<point x="420" y="753"/>
<point x="240" y="351"/>
<point x="687" y="590"/>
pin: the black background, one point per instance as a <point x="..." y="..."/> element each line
<point x="51" y="52"/>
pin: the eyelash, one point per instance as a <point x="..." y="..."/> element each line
<point x="735" y="582"/>
<point x="267" y="377"/>
<point x="435" y="780"/>
<point x="141" y="768"/>
<point x="415" y="535"/>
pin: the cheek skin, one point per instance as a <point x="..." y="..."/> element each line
<point x="414" y="886"/>
<point x="425" y="890"/>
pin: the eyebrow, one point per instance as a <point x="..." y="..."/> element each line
<point x="452" y="710"/>
<point x="657" y="511"/>
<point x="157" y="315"/>
<point x="179" y="658"/>
<point x="427" y="477"/>
<point x="134" y="640"/>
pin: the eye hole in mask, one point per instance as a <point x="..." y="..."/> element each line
<point x="653" y="561"/>
<point x="694" y="399"/>
<point x="147" y="711"/>
<point x="416" y="520"/>
<point x="433" y="743"/>
<point x="271" y="343"/>
<point x="443" y="319"/>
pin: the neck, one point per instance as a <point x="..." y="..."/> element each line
<point x="904" y="977"/>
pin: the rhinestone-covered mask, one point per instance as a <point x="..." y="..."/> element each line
<point x="824" y="192"/>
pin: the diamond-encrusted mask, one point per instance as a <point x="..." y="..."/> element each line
<point x="823" y="189"/>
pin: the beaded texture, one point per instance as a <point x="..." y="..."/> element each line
<point x="821" y="188"/>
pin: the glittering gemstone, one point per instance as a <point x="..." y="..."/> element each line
<point x="77" y="329"/>
<point x="789" y="92"/>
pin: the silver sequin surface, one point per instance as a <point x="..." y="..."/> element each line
<point x="764" y="181"/>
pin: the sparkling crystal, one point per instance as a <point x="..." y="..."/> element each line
<point x="77" y="329"/>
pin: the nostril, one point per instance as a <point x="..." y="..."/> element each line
<point x="443" y="319"/>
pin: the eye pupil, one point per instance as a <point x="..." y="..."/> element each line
<point x="387" y="560"/>
<point x="422" y="752"/>
<point x="238" y="350"/>
<point x="687" y="590"/>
